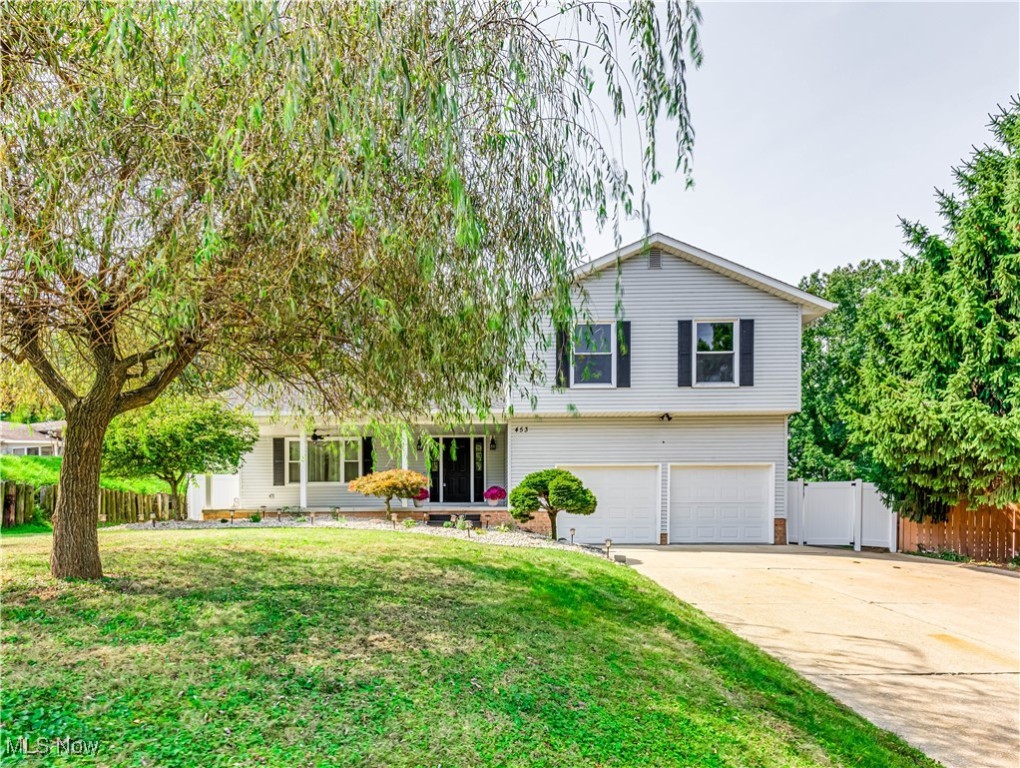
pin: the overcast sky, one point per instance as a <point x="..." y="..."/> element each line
<point x="818" y="124"/>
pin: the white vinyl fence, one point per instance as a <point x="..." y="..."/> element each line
<point x="839" y="515"/>
<point x="212" y="492"/>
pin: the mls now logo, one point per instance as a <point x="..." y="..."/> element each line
<point x="58" y="746"/>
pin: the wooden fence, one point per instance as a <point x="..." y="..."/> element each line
<point x="984" y="533"/>
<point x="19" y="503"/>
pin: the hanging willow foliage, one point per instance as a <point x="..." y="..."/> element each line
<point x="355" y="202"/>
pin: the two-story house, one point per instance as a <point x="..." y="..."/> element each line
<point x="670" y="400"/>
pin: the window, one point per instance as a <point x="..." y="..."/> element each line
<point x="594" y="344"/>
<point x="715" y="353"/>
<point x="330" y="460"/>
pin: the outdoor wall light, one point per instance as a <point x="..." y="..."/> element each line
<point x="492" y="443"/>
<point x="665" y="417"/>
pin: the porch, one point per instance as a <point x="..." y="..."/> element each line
<point x="308" y="468"/>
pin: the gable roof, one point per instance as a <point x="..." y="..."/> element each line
<point x="43" y="432"/>
<point x="813" y="307"/>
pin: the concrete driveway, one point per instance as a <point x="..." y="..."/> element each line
<point x="924" y="648"/>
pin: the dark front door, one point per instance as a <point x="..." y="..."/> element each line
<point x="456" y="469"/>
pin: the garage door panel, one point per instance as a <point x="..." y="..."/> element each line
<point x="627" y="510"/>
<point x="720" y="504"/>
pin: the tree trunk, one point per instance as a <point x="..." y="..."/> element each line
<point x="75" y="552"/>
<point x="552" y="524"/>
<point x="177" y="511"/>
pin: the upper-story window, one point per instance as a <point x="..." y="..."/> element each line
<point x="715" y="352"/>
<point x="330" y="460"/>
<point x="594" y="355"/>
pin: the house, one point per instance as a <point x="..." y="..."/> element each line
<point x="673" y="410"/>
<point x="43" y="438"/>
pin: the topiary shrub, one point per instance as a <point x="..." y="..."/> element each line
<point x="551" y="491"/>
<point x="390" y="484"/>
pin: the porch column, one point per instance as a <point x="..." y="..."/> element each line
<point x="303" y="454"/>
<point x="403" y="459"/>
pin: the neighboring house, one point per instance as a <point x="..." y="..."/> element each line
<point x="672" y="410"/>
<point x="44" y="438"/>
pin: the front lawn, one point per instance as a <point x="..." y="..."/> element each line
<point x="303" y="647"/>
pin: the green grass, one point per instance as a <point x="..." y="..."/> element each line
<point x="943" y="554"/>
<point x="35" y="526"/>
<point x="328" y="647"/>
<point x="45" y="470"/>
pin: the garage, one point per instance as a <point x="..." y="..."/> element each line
<point x="720" y="504"/>
<point x="628" y="505"/>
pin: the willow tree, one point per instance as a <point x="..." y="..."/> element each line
<point x="359" y="202"/>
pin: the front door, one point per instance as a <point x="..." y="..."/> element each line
<point x="456" y="469"/>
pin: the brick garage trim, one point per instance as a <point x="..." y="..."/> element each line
<point x="779" y="526"/>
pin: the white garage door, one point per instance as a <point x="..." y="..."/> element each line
<point x="627" y="510"/>
<point x="720" y="505"/>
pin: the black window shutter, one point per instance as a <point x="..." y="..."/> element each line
<point x="623" y="354"/>
<point x="684" y="363"/>
<point x="747" y="353"/>
<point x="366" y="455"/>
<point x="562" y="357"/>
<point x="279" y="465"/>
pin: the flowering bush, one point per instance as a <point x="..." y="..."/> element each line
<point x="393" y="483"/>
<point x="495" y="492"/>
<point x="422" y="495"/>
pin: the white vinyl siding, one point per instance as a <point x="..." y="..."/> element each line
<point x="723" y="440"/>
<point x="653" y="300"/>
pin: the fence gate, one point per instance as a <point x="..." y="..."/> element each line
<point x="839" y="515"/>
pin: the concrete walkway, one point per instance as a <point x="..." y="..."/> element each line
<point x="924" y="648"/>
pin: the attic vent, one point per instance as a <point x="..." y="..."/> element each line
<point x="655" y="258"/>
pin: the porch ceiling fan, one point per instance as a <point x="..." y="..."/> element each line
<point x="316" y="437"/>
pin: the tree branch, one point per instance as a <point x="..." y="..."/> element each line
<point x="145" y="394"/>
<point x="33" y="353"/>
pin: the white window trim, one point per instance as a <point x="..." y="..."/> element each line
<point x="322" y="483"/>
<point x="736" y="354"/>
<point x="612" y="356"/>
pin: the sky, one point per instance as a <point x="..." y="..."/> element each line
<point x="819" y="124"/>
